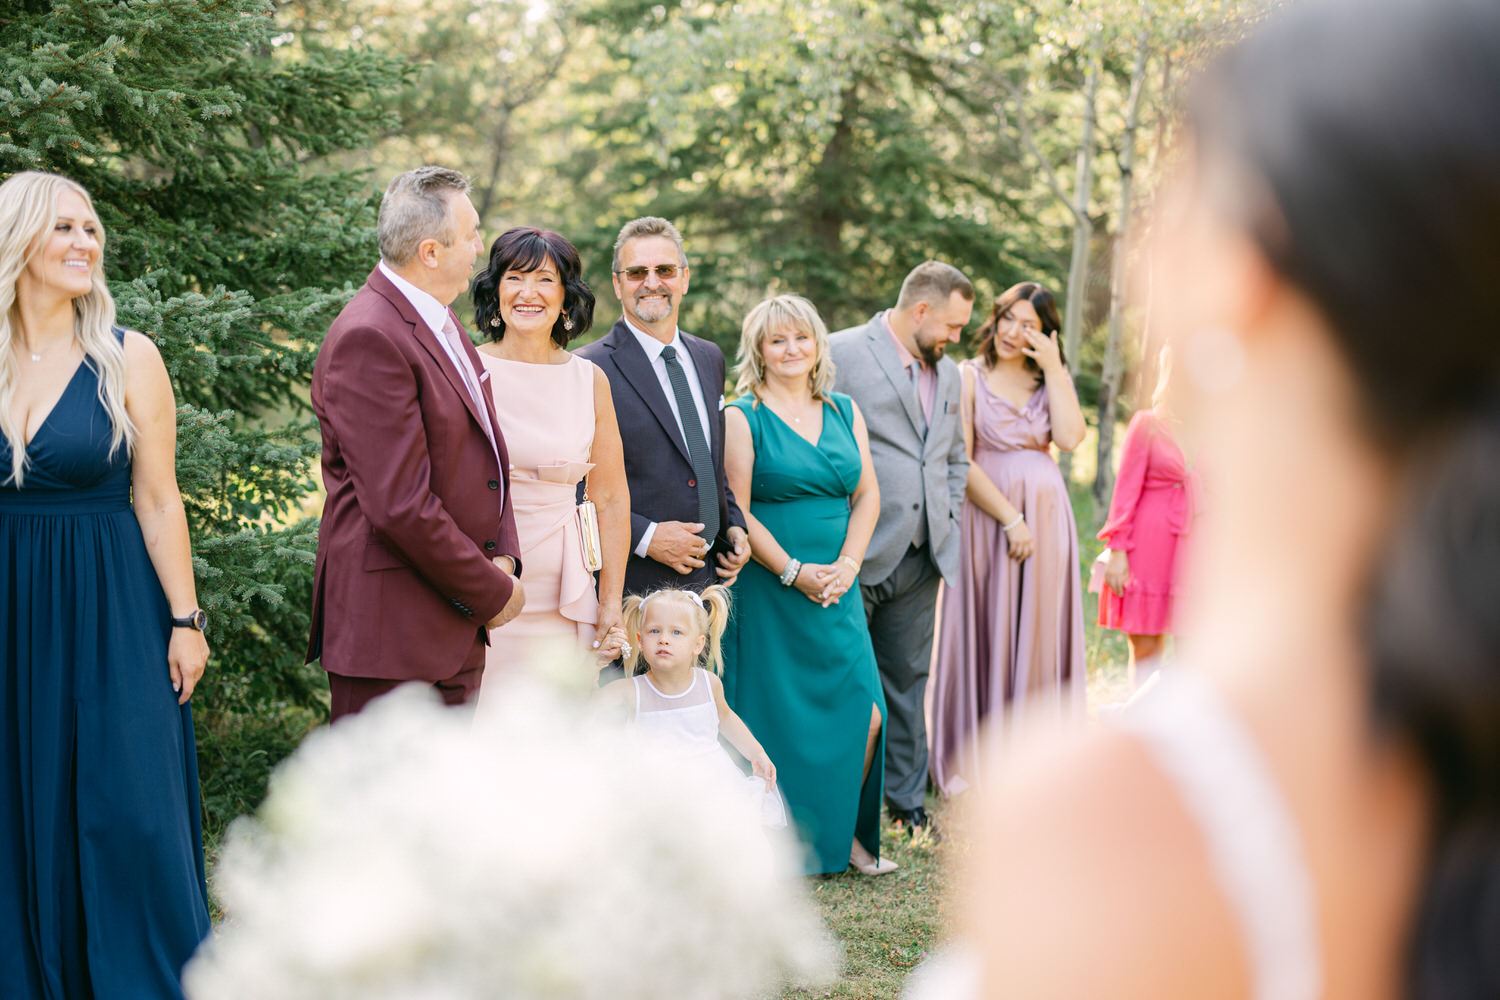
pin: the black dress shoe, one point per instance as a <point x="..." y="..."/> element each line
<point x="915" y="820"/>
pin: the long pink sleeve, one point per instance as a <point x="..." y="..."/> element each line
<point x="1135" y="456"/>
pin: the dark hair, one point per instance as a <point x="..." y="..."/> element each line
<point x="523" y="249"/>
<point x="1046" y="311"/>
<point x="1368" y="133"/>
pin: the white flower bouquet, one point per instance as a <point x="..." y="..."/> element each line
<point x="407" y="853"/>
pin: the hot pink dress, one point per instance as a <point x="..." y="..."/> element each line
<point x="546" y="413"/>
<point x="1149" y="518"/>
<point x="1010" y="635"/>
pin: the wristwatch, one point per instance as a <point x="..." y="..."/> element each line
<point x="197" y="619"/>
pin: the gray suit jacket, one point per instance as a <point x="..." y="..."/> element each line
<point x="918" y="478"/>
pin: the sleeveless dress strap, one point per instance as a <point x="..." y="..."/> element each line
<point x="1206" y="751"/>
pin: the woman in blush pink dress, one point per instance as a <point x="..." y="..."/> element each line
<point x="1150" y="516"/>
<point x="558" y="417"/>
<point x="1010" y="635"/>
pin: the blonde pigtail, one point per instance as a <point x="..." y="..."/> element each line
<point x="632" y="614"/>
<point x="716" y="609"/>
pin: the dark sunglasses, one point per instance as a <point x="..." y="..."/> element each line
<point x="666" y="272"/>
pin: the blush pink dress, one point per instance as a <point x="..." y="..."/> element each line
<point x="1010" y="634"/>
<point x="546" y="413"/>
<point x="1150" y="516"/>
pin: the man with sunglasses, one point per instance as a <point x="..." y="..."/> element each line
<point x="668" y="389"/>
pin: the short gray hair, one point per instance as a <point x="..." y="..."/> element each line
<point x="415" y="208"/>
<point x="650" y="225"/>
<point x="933" y="282"/>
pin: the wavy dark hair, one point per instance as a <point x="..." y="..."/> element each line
<point x="1041" y="300"/>
<point x="1367" y="133"/>
<point x="526" y="248"/>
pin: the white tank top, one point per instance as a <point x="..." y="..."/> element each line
<point x="690" y="718"/>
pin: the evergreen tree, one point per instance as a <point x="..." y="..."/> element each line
<point x="194" y="133"/>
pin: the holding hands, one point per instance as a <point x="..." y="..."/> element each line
<point x="610" y="640"/>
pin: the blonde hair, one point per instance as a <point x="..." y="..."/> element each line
<point x="710" y="613"/>
<point x="28" y="210"/>
<point x="777" y="313"/>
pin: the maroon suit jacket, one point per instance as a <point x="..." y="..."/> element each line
<point x="417" y="507"/>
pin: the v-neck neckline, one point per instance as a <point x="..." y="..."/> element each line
<point x="67" y="387"/>
<point x="1019" y="408"/>
<point x="822" y="429"/>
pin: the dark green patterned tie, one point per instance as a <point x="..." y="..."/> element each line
<point x="692" y="432"/>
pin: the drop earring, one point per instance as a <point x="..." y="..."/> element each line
<point x="567" y="322"/>
<point x="496" y="321"/>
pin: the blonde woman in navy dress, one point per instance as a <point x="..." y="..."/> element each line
<point x="100" y="850"/>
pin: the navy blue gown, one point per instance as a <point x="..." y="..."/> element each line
<point x="102" y="892"/>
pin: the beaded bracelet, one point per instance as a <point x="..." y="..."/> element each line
<point x="849" y="561"/>
<point x="1006" y="527"/>
<point x="789" y="573"/>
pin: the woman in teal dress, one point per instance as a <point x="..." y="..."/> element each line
<point x="799" y="668"/>
<point x="101" y="643"/>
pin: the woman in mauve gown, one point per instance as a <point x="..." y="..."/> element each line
<point x="1010" y="635"/>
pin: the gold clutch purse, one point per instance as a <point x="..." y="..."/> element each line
<point x="588" y="534"/>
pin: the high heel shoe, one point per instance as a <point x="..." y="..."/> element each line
<point x="880" y="866"/>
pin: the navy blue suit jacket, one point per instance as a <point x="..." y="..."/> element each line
<point x="657" y="468"/>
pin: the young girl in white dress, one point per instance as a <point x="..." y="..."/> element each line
<point x="674" y="698"/>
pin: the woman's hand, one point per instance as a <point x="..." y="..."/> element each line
<point x="187" y="656"/>
<point x="762" y="768"/>
<point x="1043" y="350"/>
<point x="1117" y="572"/>
<point x="1020" y="542"/>
<point x="820" y="582"/>
<point x="838" y="583"/>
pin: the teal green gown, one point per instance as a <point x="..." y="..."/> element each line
<point x="801" y="676"/>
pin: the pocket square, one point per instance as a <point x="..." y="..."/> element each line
<point x="484" y="376"/>
<point x="721" y="401"/>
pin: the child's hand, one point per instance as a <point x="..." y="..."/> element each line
<point x="613" y="645"/>
<point x="762" y="768"/>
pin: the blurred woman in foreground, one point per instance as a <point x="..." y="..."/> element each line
<point x="1311" y="806"/>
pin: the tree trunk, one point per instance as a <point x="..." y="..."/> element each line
<point x="830" y="207"/>
<point x="1114" y="344"/>
<point x="1083" y="227"/>
<point x="1083" y="231"/>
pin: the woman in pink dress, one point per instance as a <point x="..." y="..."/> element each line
<point x="1011" y="633"/>
<point x="558" y="418"/>
<point x="1150" y="516"/>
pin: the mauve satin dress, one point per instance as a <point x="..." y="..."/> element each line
<point x="1010" y="634"/>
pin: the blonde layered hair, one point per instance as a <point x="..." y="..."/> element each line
<point x="710" y="611"/>
<point x="778" y="313"/>
<point x="28" y="211"/>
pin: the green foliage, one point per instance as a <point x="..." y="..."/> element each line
<point x="193" y="133"/>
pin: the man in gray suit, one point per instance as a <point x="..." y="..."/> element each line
<point x="909" y="393"/>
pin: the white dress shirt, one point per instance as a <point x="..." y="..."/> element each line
<point x="433" y="313"/>
<point x="653" y="348"/>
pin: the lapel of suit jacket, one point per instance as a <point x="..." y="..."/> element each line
<point x="885" y="356"/>
<point x="946" y="375"/>
<point x="712" y="384"/>
<point x="428" y="341"/>
<point x="637" y="369"/>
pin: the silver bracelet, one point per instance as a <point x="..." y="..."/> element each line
<point x="789" y="573"/>
<point x="1006" y="527"/>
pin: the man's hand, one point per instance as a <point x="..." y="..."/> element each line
<point x="730" y="563"/>
<point x="512" y="607"/>
<point x="677" y="544"/>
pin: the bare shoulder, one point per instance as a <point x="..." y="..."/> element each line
<point x="140" y="349"/>
<point x="1093" y="880"/>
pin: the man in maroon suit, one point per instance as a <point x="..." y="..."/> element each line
<point x="417" y="553"/>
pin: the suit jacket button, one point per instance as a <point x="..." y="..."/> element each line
<point x="692" y="482"/>
<point x="916" y="506"/>
<point x="489" y="546"/>
<point x="494" y="484"/>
